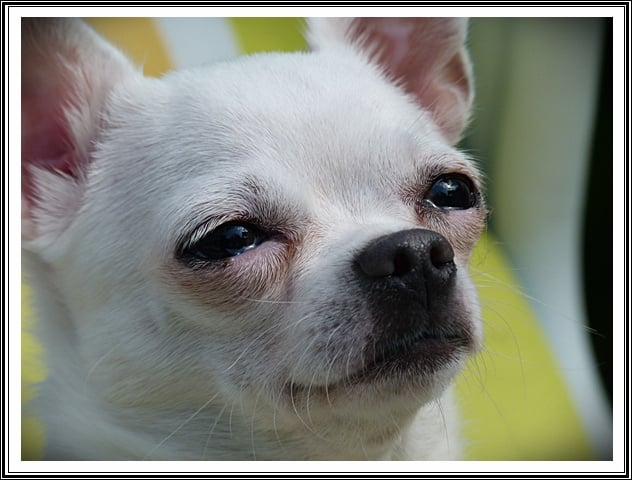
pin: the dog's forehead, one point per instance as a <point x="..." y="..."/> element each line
<point x="315" y="112"/>
<point x="322" y="126"/>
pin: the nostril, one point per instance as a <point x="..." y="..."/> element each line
<point x="408" y="255"/>
<point x="401" y="264"/>
<point x="375" y="263"/>
<point x="441" y="253"/>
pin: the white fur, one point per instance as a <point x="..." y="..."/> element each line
<point x="150" y="360"/>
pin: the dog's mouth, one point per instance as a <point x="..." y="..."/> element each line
<point x="406" y="364"/>
<point x="414" y="358"/>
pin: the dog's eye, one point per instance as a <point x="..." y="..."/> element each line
<point x="452" y="192"/>
<point x="226" y="241"/>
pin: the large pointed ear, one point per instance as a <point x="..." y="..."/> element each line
<point x="426" y="56"/>
<point x="68" y="72"/>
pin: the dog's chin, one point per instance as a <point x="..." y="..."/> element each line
<point x="416" y="371"/>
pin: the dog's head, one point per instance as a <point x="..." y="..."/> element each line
<point x="284" y="231"/>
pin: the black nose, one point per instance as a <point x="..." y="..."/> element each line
<point x="415" y="259"/>
<point x="408" y="280"/>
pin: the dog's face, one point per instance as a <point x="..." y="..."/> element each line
<point x="288" y="233"/>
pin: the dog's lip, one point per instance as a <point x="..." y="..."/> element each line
<point x="408" y="362"/>
<point x="418" y="357"/>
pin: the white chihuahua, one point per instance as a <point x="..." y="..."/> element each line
<point x="262" y="259"/>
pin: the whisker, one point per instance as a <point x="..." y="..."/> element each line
<point x="252" y="426"/>
<point x="212" y="429"/>
<point x="437" y="402"/>
<point x="270" y="301"/>
<point x="298" y="415"/>
<point x="96" y="364"/>
<point x="274" y="422"/>
<point x="191" y="417"/>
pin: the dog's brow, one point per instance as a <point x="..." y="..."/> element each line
<point x="255" y="200"/>
<point x="253" y="185"/>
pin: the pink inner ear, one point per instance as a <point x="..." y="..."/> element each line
<point x="427" y="59"/>
<point x="45" y="141"/>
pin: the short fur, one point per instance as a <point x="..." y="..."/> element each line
<point x="155" y="353"/>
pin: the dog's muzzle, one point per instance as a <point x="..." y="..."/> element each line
<point x="409" y="279"/>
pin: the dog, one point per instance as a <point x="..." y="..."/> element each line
<point x="265" y="258"/>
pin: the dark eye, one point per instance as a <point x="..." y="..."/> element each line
<point x="452" y="192"/>
<point x="228" y="240"/>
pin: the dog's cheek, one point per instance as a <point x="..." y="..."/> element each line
<point x="327" y="329"/>
<point x="470" y="309"/>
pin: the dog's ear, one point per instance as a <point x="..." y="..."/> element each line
<point x="67" y="73"/>
<point x="426" y="56"/>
